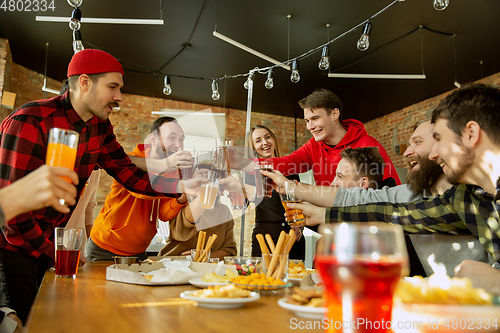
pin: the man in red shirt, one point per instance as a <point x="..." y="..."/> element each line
<point x="331" y="135"/>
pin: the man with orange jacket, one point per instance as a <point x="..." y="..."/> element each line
<point x="127" y="222"/>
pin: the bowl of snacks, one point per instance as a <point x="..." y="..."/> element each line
<point x="245" y="265"/>
<point x="125" y="260"/>
<point x="259" y="281"/>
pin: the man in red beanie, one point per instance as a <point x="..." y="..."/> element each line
<point x="26" y="244"/>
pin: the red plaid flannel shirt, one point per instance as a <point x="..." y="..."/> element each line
<point x="23" y="143"/>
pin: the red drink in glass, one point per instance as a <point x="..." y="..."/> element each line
<point x="369" y="285"/>
<point x="67" y="262"/>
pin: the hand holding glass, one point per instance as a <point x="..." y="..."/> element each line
<point x="289" y="193"/>
<point x="360" y="265"/>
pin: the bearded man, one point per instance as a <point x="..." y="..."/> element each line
<point x="425" y="179"/>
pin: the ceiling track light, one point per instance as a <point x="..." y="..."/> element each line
<point x="100" y="20"/>
<point x="364" y="40"/>
<point x="167" y="89"/>
<point x="295" y="77"/>
<point x="75" y="3"/>
<point x="440" y="4"/>
<point x="215" y="91"/>
<point x="77" y="41"/>
<point x="269" y="82"/>
<point x="324" y="62"/>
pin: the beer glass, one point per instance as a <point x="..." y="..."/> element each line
<point x="263" y="184"/>
<point x="237" y="198"/>
<point x="67" y="243"/>
<point x="209" y="190"/>
<point x="220" y="157"/>
<point x="188" y="172"/>
<point x="289" y="193"/>
<point x="360" y="265"/>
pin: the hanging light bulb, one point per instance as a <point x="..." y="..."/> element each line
<point x="77" y="41"/>
<point x="295" y="77"/>
<point x="167" y="90"/>
<point x="250" y="78"/>
<point x="75" y="3"/>
<point x="76" y="17"/>
<point x="324" y="62"/>
<point x="215" y="91"/>
<point x="441" y="4"/>
<point x="269" y="82"/>
<point x="364" y="40"/>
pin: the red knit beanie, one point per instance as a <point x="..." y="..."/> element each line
<point x="90" y="61"/>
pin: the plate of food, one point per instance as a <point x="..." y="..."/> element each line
<point x="221" y="297"/>
<point x="297" y="270"/>
<point x="311" y="312"/>
<point x="198" y="282"/>
<point x="443" y="304"/>
<point x="259" y="281"/>
<point x="262" y="287"/>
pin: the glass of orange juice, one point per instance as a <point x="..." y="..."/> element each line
<point x="61" y="149"/>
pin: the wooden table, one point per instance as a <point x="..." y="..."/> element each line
<point x="90" y="303"/>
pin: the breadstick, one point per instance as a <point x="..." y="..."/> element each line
<point x="270" y="242"/>
<point x="291" y="241"/>
<point x="210" y="242"/>
<point x="263" y="248"/>
<point x="277" y="250"/>
<point x="198" y="246"/>
<point x="279" y="265"/>
<point x="202" y="252"/>
<point x="202" y="245"/>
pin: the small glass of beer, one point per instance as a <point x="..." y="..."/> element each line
<point x="289" y="193"/>
<point x="209" y="190"/>
<point x="263" y="184"/>
<point x="67" y="243"/>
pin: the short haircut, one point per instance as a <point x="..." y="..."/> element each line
<point x="322" y="98"/>
<point x="249" y="142"/>
<point x="160" y="121"/>
<point x="73" y="79"/>
<point x="420" y="122"/>
<point x="64" y="87"/>
<point x="368" y="163"/>
<point x="474" y="102"/>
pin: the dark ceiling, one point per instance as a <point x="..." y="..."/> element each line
<point x="263" y="25"/>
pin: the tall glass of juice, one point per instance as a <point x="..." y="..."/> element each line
<point x="360" y="265"/>
<point x="67" y="243"/>
<point x="61" y="148"/>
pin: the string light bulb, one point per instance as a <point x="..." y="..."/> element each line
<point x="167" y="89"/>
<point x="76" y="17"/>
<point x="324" y="62"/>
<point x="250" y="78"/>
<point x="269" y="82"/>
<point x="75" y="3"/>
<point x="364" y="40"/>
<point x="215" y="91"/>
<point x="295" y="77"/>
<point x="441" y="4"/>
<point x="77" y="41"/>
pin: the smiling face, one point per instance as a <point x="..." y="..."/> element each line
<point x="346" y="175"/>
<point x="450" y="153"/>
<point x="171" y="138"/>
<point x="102" y="95"/>
<point x="319" y="123"/>
<point x="263" y="143"/>
<point x="422" y="172"/>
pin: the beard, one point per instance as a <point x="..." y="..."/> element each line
<point x="464" y="164"/>
<point x="427" y="174"/>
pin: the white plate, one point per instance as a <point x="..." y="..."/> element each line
<point x="197" y="282"/>
<point x="437" y="318"/>
<point x="303" y="311"/>
<point x="220" y="303"/>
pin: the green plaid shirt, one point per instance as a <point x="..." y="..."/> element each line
<point x="464" y="209"/>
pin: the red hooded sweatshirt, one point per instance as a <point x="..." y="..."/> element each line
<point x="323" y="159"/>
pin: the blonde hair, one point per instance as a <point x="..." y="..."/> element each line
<point x="250" y="144"/>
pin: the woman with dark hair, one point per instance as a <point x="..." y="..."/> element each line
<point x="270" y="214"/>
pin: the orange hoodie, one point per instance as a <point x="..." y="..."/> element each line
<point x="127" y="222"/>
